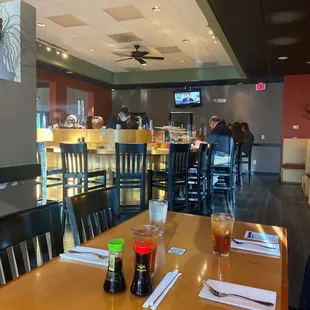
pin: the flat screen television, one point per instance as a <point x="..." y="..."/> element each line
<point x="185" y="99"/>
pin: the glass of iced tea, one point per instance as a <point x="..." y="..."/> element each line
<point x="222" y="229"/>
<point x="147" y="233"/>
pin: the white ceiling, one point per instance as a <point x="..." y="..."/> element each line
<point x="177" y="20"/>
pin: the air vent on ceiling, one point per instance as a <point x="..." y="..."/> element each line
<point x="168" y="49"/>
<point x="125" y="37"/>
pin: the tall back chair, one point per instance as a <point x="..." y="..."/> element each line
<point x="46" y="173"/>
<point x="246" y="159"/>
<point x="209" y="174"/>
<point x="304" y="302"/>
<point x="91" y="213"/>
<point x="227" y="174"/>
<point x="197" y="179"/>
<point x="174" y="177"/>
<point x="75" y="166"/>
<point x="24" y="240"/>
<point x="131" y="169"/>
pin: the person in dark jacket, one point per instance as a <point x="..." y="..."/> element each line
<point x="220" y="135"/>
<point x="123" y="119"/>
<point x="248" y="139"/>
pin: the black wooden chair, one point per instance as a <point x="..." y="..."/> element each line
<point x="131" y="170"/>
<point x="245" y="160"/>
<point x="304" y="302"/>
<point x="197" y="180"/>
<point x="28" y="238"/>
<point x="173" y="178"/>
<point x="47" y="173"/>
<point x="91" y="213"/>
<point x="75" y="168"/>
<point x="226" y="174"/>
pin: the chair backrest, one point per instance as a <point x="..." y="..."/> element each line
<point x="304" y="302"/>
<point x="91" y="213"/>
<point x="211" y="155"/>
<point x="41" y="155"/>
<point x="178" y="158"/>
<point x="29" y="238"/>
<point x="130" y="161"/>
<point x="202" y="158"/>
<point x="74" y="159"/>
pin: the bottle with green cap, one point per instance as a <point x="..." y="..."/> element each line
<point x="115" y="281"/>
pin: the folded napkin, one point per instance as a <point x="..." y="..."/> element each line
<point x="87" y="258"/>
<point x="250" y="246"/>
<point x="230" y="288"/>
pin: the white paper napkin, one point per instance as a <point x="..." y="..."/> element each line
<point x="250" y="246"/>
<point x="231" y="288"/>
<point x="87" y="258"/>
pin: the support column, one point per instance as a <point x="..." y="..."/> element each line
<point x="58" y="102"/>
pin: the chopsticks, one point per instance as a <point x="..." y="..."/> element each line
<point x="162" y="289"/>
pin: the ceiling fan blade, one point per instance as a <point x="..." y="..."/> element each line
<point x="144" y="53"/>
<point x="155" y="58"/>
<point x="142" y="62"/>
<point x="123" y="59"/>
<point x="122" y="55"/>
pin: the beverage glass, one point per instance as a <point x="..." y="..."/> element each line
<point x="158" y="214"/>
<point x="147" y="233"/>
<point x="222" y="229"/>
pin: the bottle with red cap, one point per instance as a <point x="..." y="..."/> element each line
<point x="142" y="283"/>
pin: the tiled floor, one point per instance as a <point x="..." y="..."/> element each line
<point x="268" y="202"/>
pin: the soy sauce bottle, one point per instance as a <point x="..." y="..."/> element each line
<point x="115" y="281"/>
<point x="141" y="283"/>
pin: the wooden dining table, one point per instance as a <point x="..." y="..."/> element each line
<point x="61" y="284"/>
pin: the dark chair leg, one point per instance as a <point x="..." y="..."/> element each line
<point x="142" y="198"/>
<point x="150" y="185"/>
<point x="250" y="171"/>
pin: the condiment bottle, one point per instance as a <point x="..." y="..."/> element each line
<point x="141" y="283"/>
<point x="115" y="281"/>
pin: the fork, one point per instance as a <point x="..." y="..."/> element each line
<point x="263" y="246"/>
<point x="92" y="253"/>
<point x="220" y="294"/>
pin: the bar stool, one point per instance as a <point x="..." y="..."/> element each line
<point x="175" y="176"/>
<point x="131" y="170"/>
<point x="227" y="175"/>
<point x="46" y="172"/>
<point x="246" y="159"/>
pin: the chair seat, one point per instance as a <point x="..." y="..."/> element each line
<point x="96" y="173"/>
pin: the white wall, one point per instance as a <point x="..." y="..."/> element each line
<point x="18" y="102"/>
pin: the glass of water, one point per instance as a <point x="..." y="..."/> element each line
<point x="158" y="214"/>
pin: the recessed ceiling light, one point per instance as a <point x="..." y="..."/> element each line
<point x="69" y="72"/>
<point x="182" y="61"/>
<point x="57" y="52"/>
<point x="282" y="57"/>
<point x="215" y="41"/>
<point x="156" y="8"/>
<point x="40" y="45"/>
<point x="48" y="49"/>
<point x="185" y="41"/>
<point x="308" y="62"/>
<point x="92" y="49"/>
<point x="64" y="55"/>
<point x="41" y="24"/>
<point x="112" y="89"/>
<point x="210" y="32"/>
<point x="213" y="37"/>
<point x="143" y="64"/>
<point x="240" y="83"/>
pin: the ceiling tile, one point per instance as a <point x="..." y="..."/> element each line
<point x="155" y="38"/>
<point x="85" y="31"/>
<point x="168" y="49"/>
<point x="95" y="17"/>
<point x="125" y="37"/>
<point x="127" y="12"/>
<point x="138" y="24"/>
<point x="106" y="4"/>
<point x="67" y="21"/>
<point x="112" y="28"/>
<point x="47" y="8"/>
<point x="76" y="6"/>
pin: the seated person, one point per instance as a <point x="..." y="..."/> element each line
<point x="248" y="139"/>
<point x="188" y="98"/>
<point x="237" y="133"/>
<point x="123" y="119"/>
<point x="221" y="136"/>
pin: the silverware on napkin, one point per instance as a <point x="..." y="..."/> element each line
<point x="263" y="246"/>
<point x="220" y="294"/>
<point x="91" y="253"/>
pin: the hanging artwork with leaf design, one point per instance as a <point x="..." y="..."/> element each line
<point x="10" y="41"/>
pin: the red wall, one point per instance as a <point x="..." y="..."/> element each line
<point x="296" y="99"/>
<point x="100" y="98"/>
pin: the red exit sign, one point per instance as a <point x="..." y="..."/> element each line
<point x="260" y="86"/>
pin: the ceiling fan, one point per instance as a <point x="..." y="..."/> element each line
<point x="138" y="56"/>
